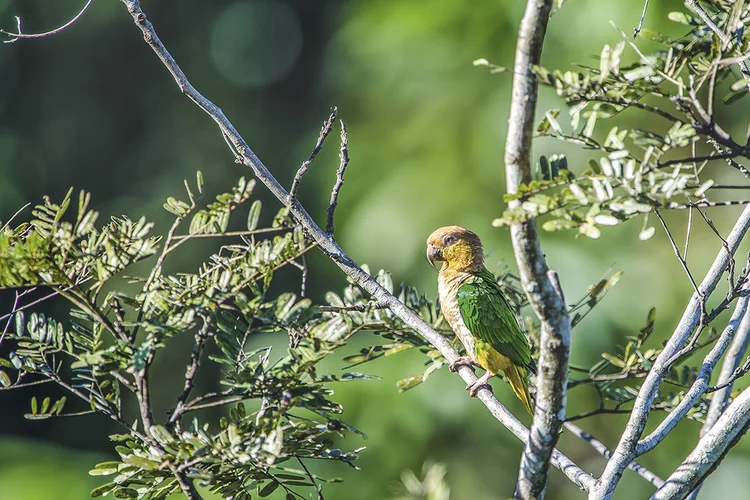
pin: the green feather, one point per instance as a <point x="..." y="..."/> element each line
<point x="489" y="318"/>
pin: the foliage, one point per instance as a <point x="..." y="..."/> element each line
<point x="662" y="165"/>
<point x="432" y="485"/>
<point x="106" y="347"/>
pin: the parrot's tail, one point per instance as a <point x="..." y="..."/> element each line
<point x="518" y="379"/>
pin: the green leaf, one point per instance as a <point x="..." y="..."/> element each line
<point x="559" y="224"/>
<point x="199" y="181"/>
<point x="606" y="220"/>
<point x="614" y="360"/>
<point x="409" y="383"/>
<point x="104" y="469"/>
<point x="680" y="17"/>
<point x="268" y="489"/>
<point x="589" y="230"/>
<point x="254" y="216"/>
<point x="733" y="97"/>
<point x="126" y="493"/>
<point x="5" y="380"/>
<point x="45" y="404"/>
<point x="655" y="36"/>
<point x="740" y="85"/>
<point x="20" y="323"/>
<point x="646" y="233"/>
<point x="161" y="434"/>
<point x="103" y="490"/>
<point x="703" y="188"/>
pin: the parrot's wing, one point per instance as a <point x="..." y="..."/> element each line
<point x="489" y="317"/>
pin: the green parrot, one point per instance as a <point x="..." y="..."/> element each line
<point x="478" y="312"/>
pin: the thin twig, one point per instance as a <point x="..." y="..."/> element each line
<point x="712" y="156"/>
<point x="303" y="278"/>
<point x="232" y="233"/>
<point x="17" y="36"/>
<point x="640" y="24"/>
<point x="14" y="216"/>
<point x="27" y="384"/>
<point x="31" y="304"/>
<point x="343" y="162"/>
<point x="676" y="250"/>
<point x="186" y="485"/>
<point x="327" y="125"/>
<point x="354" y="307"/>
<point x="318" y="488"/>
<point x="687" y="233"/>
<point x="598" y="411"/>
<point x="192" y="368"/>
<point x="731" y="265"/>
<point x="607" y="453"/>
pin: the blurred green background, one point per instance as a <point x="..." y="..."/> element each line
<point x="92" y="107"/>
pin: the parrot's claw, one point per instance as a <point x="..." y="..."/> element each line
<point x="461" y="361"/>
<point x="481" y="383"/>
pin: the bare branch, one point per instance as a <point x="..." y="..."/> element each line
<point x="695" y="159"/>
<point x="185" y="483"/>
<point x="195" y="358"/>
<point x="606" y="453"/>
<point x="19" y="35"/>
<point x="640" y="24"/>
<point x="676" y="250"/>
<point x="709" y="451"/>
<point x="730" y="371"/>
<point x="229" y="234"/>
<point x="544" y="298"/>
<point x="354" y="307"/>
<point x="625" y="451"/>
<point x="329" y="246"/>
<point x="327" y="126"/>
<point x="7" y="223"/>
<point x="699" y="386"/>
<point x="344" y="161"/>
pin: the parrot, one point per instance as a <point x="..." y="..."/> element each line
<point x="476" y="309"/>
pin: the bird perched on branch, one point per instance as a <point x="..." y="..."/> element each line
<point x="478" y="312"/>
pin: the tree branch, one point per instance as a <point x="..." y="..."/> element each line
<point x="19" y="35"/>
<point x="327" y="126"/>
<point x="537" y="281"/>
<point x="607" y="453"/>
<point x="328" y="245"/>
<point x="192" y="368"/>
<point x="726" y="379"/>
<point x="699" y="386"/>
<point x="625" y="451"/>
<point x="186" y="485"/>
<point x="344" y="161"/>
<point x="709" y="451"/>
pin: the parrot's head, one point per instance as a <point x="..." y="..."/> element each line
<point x="457" y="248"/>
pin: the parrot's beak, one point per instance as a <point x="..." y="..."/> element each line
<point x="433" y="254"/>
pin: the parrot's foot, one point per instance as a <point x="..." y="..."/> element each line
<point x="481" y="383"/>
<point x="461" y="361"/>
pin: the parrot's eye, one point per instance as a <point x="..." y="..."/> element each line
<point x="449" y="240"/>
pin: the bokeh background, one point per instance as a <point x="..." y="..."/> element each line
<point x="92" y="107"/>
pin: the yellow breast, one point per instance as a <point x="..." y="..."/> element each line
<point x="448" y="284"/>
